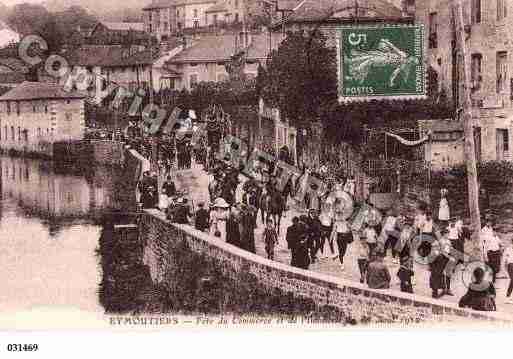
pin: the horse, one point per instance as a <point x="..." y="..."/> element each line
<point x="214" y="189"/>
<point x="273" y="204"/>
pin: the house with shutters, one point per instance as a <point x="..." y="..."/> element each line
<point x="34" y="115"/>
<point x="489" y="33"/>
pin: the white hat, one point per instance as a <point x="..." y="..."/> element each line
<point x="221" y="203"/>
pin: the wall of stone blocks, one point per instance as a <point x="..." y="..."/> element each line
<point x="156" y="232"/>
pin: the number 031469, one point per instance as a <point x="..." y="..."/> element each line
<point x="22" y="347"/>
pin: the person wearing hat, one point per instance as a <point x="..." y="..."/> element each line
<point x="314" y="233"/>
<point x="182" y="213"/>
<point x="481" y="293"/>
<point x="378" y="275"/>
<point x="149" y="197"/>
<point x="390" y="230"/>
<point x="168" y="191"/>
<point x="247" y="227"/>
<point x="218" y="217"/>
<point x="344" y="236"/>
<point x="232" y="227"/>
<point x="492" y="247"/>
<point x="201" y="222"/>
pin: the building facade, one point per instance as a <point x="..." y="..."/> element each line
<point x="489" y="33"/>
<point x="117" y="33"/>
<point x="167" y="18"/>
<point x="205" y="60"/>
<point x="34" y="115"/>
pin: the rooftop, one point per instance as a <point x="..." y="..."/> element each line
<point x="441" y="125"/>
<point x="107" y="56"/>
<point x="159" y="4"/>
<point x="219" y="7"/>
<point x="217" y="48"/>
<point x="123" y="26"/>
<point x="13" y="64"/>
<point x="40" y="90"/>
<point x="326" y="10"/>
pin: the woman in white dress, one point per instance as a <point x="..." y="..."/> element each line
<point x="443" y="211"/>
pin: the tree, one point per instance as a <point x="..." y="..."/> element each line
<point x="27" y="18"/>
<point x="300" y="78"/>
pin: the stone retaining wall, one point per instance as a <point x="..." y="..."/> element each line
<point x="110" y="153"/>
<point x="389" y="306"/>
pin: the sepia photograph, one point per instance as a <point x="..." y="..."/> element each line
<point x="255" y="164"/>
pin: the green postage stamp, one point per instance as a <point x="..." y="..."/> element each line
<point x="383" y="62"/>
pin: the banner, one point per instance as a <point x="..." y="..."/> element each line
<point x="408" y="142"/>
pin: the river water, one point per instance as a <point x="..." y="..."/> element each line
<point x="50" y="223"/>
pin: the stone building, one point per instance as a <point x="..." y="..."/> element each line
<point x="167" y="18"/>
<point x="205" y="59"/>
<point x="13" y="71"/>
<point x="445" y="147"/>
<point x="34" y="115"/>
<point x="117" y="33"/>
<point x="488" y="29"/>
<point x="328" y="15"/>
<point x="125" y="66"/>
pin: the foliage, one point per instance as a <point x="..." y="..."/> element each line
<point x="54" y="27"/>
<point x="300" y="78"/>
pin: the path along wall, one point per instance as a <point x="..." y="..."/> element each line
<point x="161" y="239"/>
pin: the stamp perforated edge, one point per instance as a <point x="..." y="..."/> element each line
<point x="406" y="97"/>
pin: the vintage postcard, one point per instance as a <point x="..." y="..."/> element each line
<point x="221" y="164"/>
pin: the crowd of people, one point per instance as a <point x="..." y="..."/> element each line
<point x="326" y="230"/>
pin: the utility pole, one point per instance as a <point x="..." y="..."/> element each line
<point x="470" y="146"/>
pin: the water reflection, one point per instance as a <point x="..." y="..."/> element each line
<point x="50" y="225"/>
<point x="61" y="195"/>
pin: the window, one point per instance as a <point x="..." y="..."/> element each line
<point x="195" y="12"/>
<point x="12" y="133"/>
<point x="236" y="4"/>
<point x="46" y="108"/>
<point x="34" y="108"/>
<point x="215" y="19"/>
<point x="68" y="116"/>
<point x="193" y="80"/>
<point x="5" y="132"/>
<point x="502" y="9"/>
<point x="39" y="132"/>
<point x="25" y="134"/>
<point x="502" y="143"/>
<point x="433" y="30"/>
<point x="476" y="11"/>
<point x="475" y="75"/>
<point x="68" y="102"/>
<point x="502" y="71"/>
<point x="17" y="107"/>
<point x="166" y="26"/>
<point x="19" y="133"/>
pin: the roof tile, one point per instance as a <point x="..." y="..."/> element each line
<point x="40" y="90"/>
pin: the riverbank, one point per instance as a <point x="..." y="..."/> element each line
<point x="99" y="152"/>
